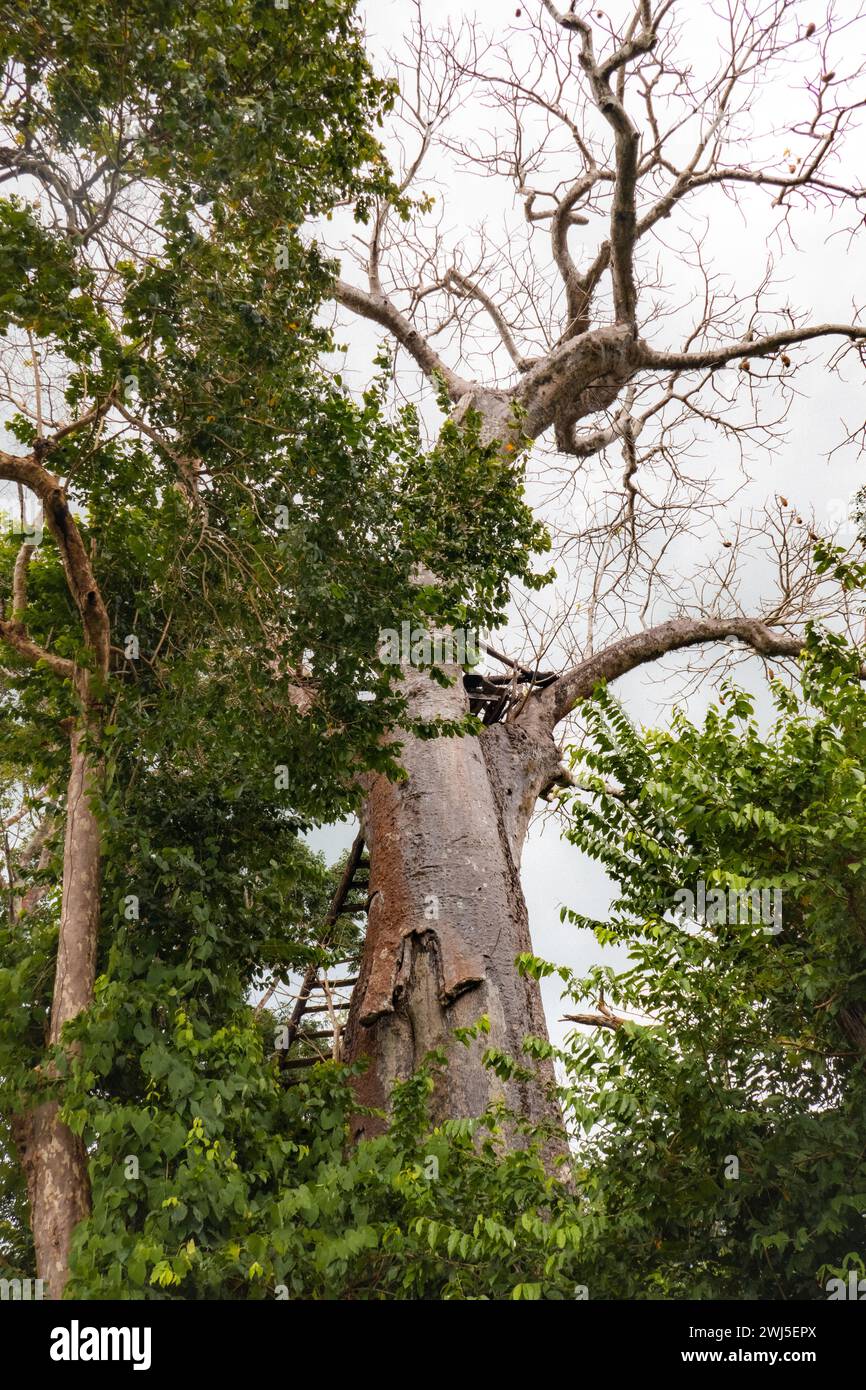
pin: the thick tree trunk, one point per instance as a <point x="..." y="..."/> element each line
<point x="53" y="1158"/>
<point x="447" y="916"/>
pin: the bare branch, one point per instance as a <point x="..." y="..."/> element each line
<point x="460" y="284"/>
<point x="626" y="655"/>
<point x="600" y="1020"/>
<point x="749" y="347"/>
<point x="381" y="310"/>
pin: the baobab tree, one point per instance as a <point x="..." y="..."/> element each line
<point x="612" y="125"/>
<point x="161" y="384"/>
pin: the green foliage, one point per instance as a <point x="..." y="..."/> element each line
<point x="17" y="1259"/>
<point x="263" y="1200"/>
<point x="268" y="105"/>
<point x="745" y="1041"/>
<point x="463" y="506"/>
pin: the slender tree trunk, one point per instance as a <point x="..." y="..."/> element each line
<point x="54" y="1159"/>
<point x="447" y="916"/>
<point x="55" y="1166"/>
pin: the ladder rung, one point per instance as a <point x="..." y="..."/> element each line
<point x="314" y="1034"/>
<point x="323" y="1008"/>
<point x="334" y="965"/>
<point x="293" y="1062"/>
<point x="335" y="984"/>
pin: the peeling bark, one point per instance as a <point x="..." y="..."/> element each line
<point x="447" y="916"/>
<point x="55" y="1167"/>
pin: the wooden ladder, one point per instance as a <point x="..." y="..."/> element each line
<point x="351" y="899"/>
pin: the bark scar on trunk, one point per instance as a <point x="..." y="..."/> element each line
<point x="460" y="968"/>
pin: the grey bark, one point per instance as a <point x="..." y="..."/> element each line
<point x="447" y="915"/>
